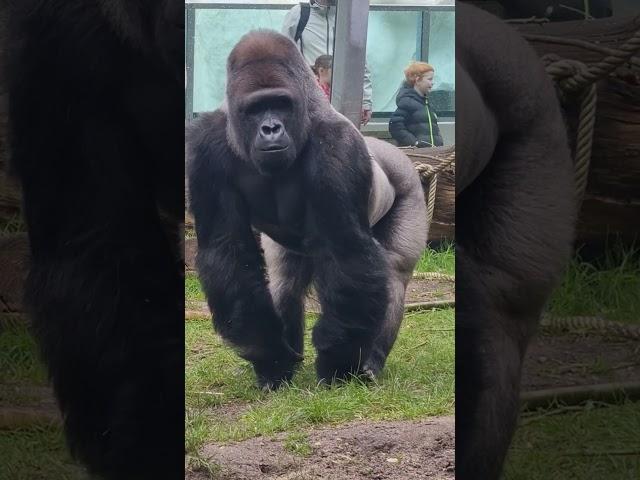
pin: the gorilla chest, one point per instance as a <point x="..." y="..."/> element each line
<point x="276" y="207"/>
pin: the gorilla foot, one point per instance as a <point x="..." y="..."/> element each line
<point x="331" y="366"/>
<point x="373" y="367"/>
<point x="270" y="375"/>
<point x="369" y="374"/>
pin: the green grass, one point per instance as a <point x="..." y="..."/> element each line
<point x="19" y="361"/>
<point x="587" y="444"/>
<point x="192" y="289"/>
<point x="610" y="288"/>
<point x="36" y="453"/>
<point x="13" y="224"/>
<point x="223" y="403"/>
<point x="298" y="444"/>
<point x="440" y="260"/>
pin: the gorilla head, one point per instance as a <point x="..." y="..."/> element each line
<point x="154" y="27"/>
<point x="271" y="96"/>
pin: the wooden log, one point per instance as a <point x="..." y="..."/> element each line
<point x="23" y="406"/>
<point x="612" y="200"/>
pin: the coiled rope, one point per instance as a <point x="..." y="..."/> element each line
<point x="429" y="173"/>
<point x="578" y="80"/>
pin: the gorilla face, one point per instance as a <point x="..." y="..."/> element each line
<point x="271" y="96"/>
<point x="268" y="118"/>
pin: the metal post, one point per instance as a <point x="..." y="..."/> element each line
<point x="352" y="19"/>
<point x="424" y="36"/>
<point x="190" y="32"/>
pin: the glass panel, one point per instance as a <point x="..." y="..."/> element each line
<point x="441" y="54"/>
<point x="393" y="39"/>
<point x="216" y="32"/>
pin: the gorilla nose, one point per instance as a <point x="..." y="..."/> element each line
<point x="271" y="131"/>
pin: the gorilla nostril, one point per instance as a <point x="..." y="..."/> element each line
<point x="271" y="130"/>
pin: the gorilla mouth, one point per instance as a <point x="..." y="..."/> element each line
<point x="275" y="148"/>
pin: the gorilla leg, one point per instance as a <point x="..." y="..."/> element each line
<point x="107" y="311"/>
<point x="383" y="343"/>
<point x="506" y="267"/>
<point x="352" y="288"/>
<point x="490" y="345"/>
<point x="402" y="234"/>
<point x="289" y="278"/>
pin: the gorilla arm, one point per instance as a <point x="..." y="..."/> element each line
<point x="350" y="267"/>
<point x="229" y="262"/>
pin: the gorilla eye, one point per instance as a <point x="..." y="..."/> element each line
<point x="270" y="103"/>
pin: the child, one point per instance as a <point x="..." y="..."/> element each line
<point x="414" y="123"/>
<point x="323" y="69"/>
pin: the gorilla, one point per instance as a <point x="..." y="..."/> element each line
<point x="96" y="137"/>
<point x="333" y="208"/>
<point x="515" y="214"/>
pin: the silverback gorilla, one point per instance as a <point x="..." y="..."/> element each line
<point x="336" y="209"/>
<point x="514" y="228"/>
<point x="96" y="126"/>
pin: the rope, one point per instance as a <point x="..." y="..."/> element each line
<point x="429" y="174"/>
<point x="564" y="72"/>
<point x="431" y="200"/>
<point x="578" y="79"/>
<point x="434" y="276"/>
<point x="592" y="323"/>
<point x="584" y="142"/>
<point x="597" y="71"/>
<point x="577" y="43"/>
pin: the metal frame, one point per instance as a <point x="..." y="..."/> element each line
<point x="241" y="4"/>
<point x="352" y="19"/>
<point x="190" y="32"/>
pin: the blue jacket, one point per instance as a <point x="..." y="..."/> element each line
<point x="410" y="122"/>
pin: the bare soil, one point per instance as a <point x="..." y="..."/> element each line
<point x="407" y="450"/>
<point x="571" y="359"/>
<point x="427" y="290"/>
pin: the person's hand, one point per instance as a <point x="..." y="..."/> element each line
<point x="366" y="116"/>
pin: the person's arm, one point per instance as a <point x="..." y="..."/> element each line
<point x="290" y="23"/>
<point x="398" y="128"/>
<point x="367" y="96"/>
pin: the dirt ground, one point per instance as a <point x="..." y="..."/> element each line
<point x="427" y="290"/>
<point x="356" y="451"/>
<point x="571" y="359"/>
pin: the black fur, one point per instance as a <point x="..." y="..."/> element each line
<point x="315" y="208"/>
<point x="96" y="108"/>
<point x="515" y="217"/>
